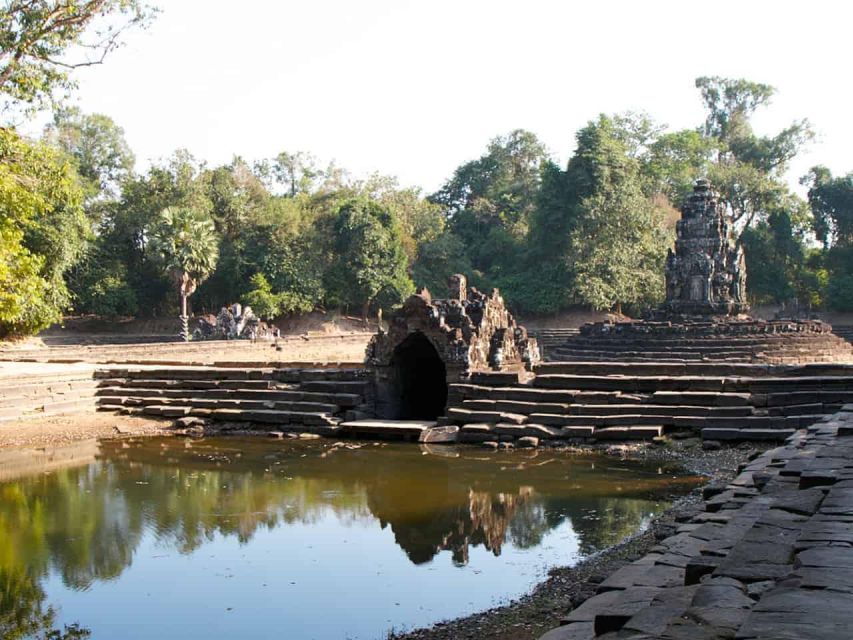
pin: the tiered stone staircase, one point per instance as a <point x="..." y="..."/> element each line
<point x="769" y="557"/>
<point x="844" y="331"/>
<point x="553" y="337"/>
<point x="312" y="400"/>
<point x="642" y="401"/>
<point x="778" y="348"/>
<point x="43" y="393"/>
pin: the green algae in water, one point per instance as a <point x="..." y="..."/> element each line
<point x="225" y="538"/>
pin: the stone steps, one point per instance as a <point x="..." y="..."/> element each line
<point x="548" y="338"/>
<point x="274" y="398"/>
<point x="486" y="432"/>
<point x="734" y="369"/>
<point x="697" y="423"/>
<point x="527" y="408"/>
<point x="844" y="331"/>
<point x="195" y="384"/>
<point x="770" y="556"/>
<point x="53" y="407"/>
<point x="289" y="395"/>
<point x="267" y="417"/>
<point x="186" y="373"/>
<point x="704" y="342"/>
<point x="651" y="384"/>
<point x="417" y="430"/>
<point x="196" y="403"/>
<point x="53" y="393"/>
<point x="715" y="351"/>
<point x="768" y="405"/>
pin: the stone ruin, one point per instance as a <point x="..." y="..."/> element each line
<point x="705" y="275"/>
<point x="703" y="317"/>
<point x="232" y="323"/>
<point x="431" y="342"/>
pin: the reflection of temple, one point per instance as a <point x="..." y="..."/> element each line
<point x="86" y="523"/>
<point x="484" y="520"/>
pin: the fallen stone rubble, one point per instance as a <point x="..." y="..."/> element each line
<point x="770" y="556"/>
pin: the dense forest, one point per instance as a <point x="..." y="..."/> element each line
<point x="83" y="231"/>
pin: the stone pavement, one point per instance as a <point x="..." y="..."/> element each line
<point x="770" y="556"/>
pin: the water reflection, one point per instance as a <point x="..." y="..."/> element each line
<point x="85" y="523"/>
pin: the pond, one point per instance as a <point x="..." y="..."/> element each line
<point x="231" y="538"/>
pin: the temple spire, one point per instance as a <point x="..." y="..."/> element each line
<point x="706" y="274"/>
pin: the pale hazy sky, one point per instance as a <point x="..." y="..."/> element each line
<point x="414" y="89"/>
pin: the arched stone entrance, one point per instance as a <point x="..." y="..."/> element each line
<point x="431" y="343"/>
<point x="418" y="381"/>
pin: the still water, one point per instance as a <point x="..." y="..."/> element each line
<point x="247" y="538"/>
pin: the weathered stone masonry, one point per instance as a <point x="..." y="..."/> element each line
<point x="431" y="343"/>
<point x="705" y="275"/>
<point x="768" y="557"/>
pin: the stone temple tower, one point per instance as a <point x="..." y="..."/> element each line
<point x="705" y="275"/>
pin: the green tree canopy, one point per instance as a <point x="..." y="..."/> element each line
<point x="37" y="35"/>
<point x="186" y="241"/>
<point x="43" y="233"/>
<point x="96" y="144"/>
<point x="369" y="261"/>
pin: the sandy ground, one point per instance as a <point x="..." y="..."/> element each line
<point x="347" y="347"/>
<point x="59" y="430"/>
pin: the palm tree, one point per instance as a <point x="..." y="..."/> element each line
<point x="187" y="241"/>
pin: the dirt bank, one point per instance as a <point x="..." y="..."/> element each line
<point x="60" y="430"/>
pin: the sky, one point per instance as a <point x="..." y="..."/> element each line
<point x="414" y="89"/>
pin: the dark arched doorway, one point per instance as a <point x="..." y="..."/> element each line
<point x="419" y="380"/>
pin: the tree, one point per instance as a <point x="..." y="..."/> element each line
<point x="489" y="201"/>
<point x="729" y="104"/>
<point x="296" y="171"/>
<point x="619" y="248"/>
<point x="263" y="301"/>
<point x="749" y="169"/>
<point x="369" y="259"/>
<point x="187" y="243"/>
<point x="126" y="227"/>
<point x="831" y="200"/>
<point x="619" y="240"/>
<point x="675" y="160"/>
<point x="43" y="233"/>
<point x="36" y="36"/>
<point x="97" y="146"/>
<point x="438" y="259"/>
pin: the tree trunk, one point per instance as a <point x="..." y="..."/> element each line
<point x="185" y="320"/>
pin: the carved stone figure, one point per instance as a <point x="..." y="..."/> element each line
<point x="705" y="275"/>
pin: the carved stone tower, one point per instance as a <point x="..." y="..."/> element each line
<point x="706" y="275"/>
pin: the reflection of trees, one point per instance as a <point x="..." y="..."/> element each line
<point x="602" y="522"/>
<point x="23" y="613"/>
<point x="85" y="523"/>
